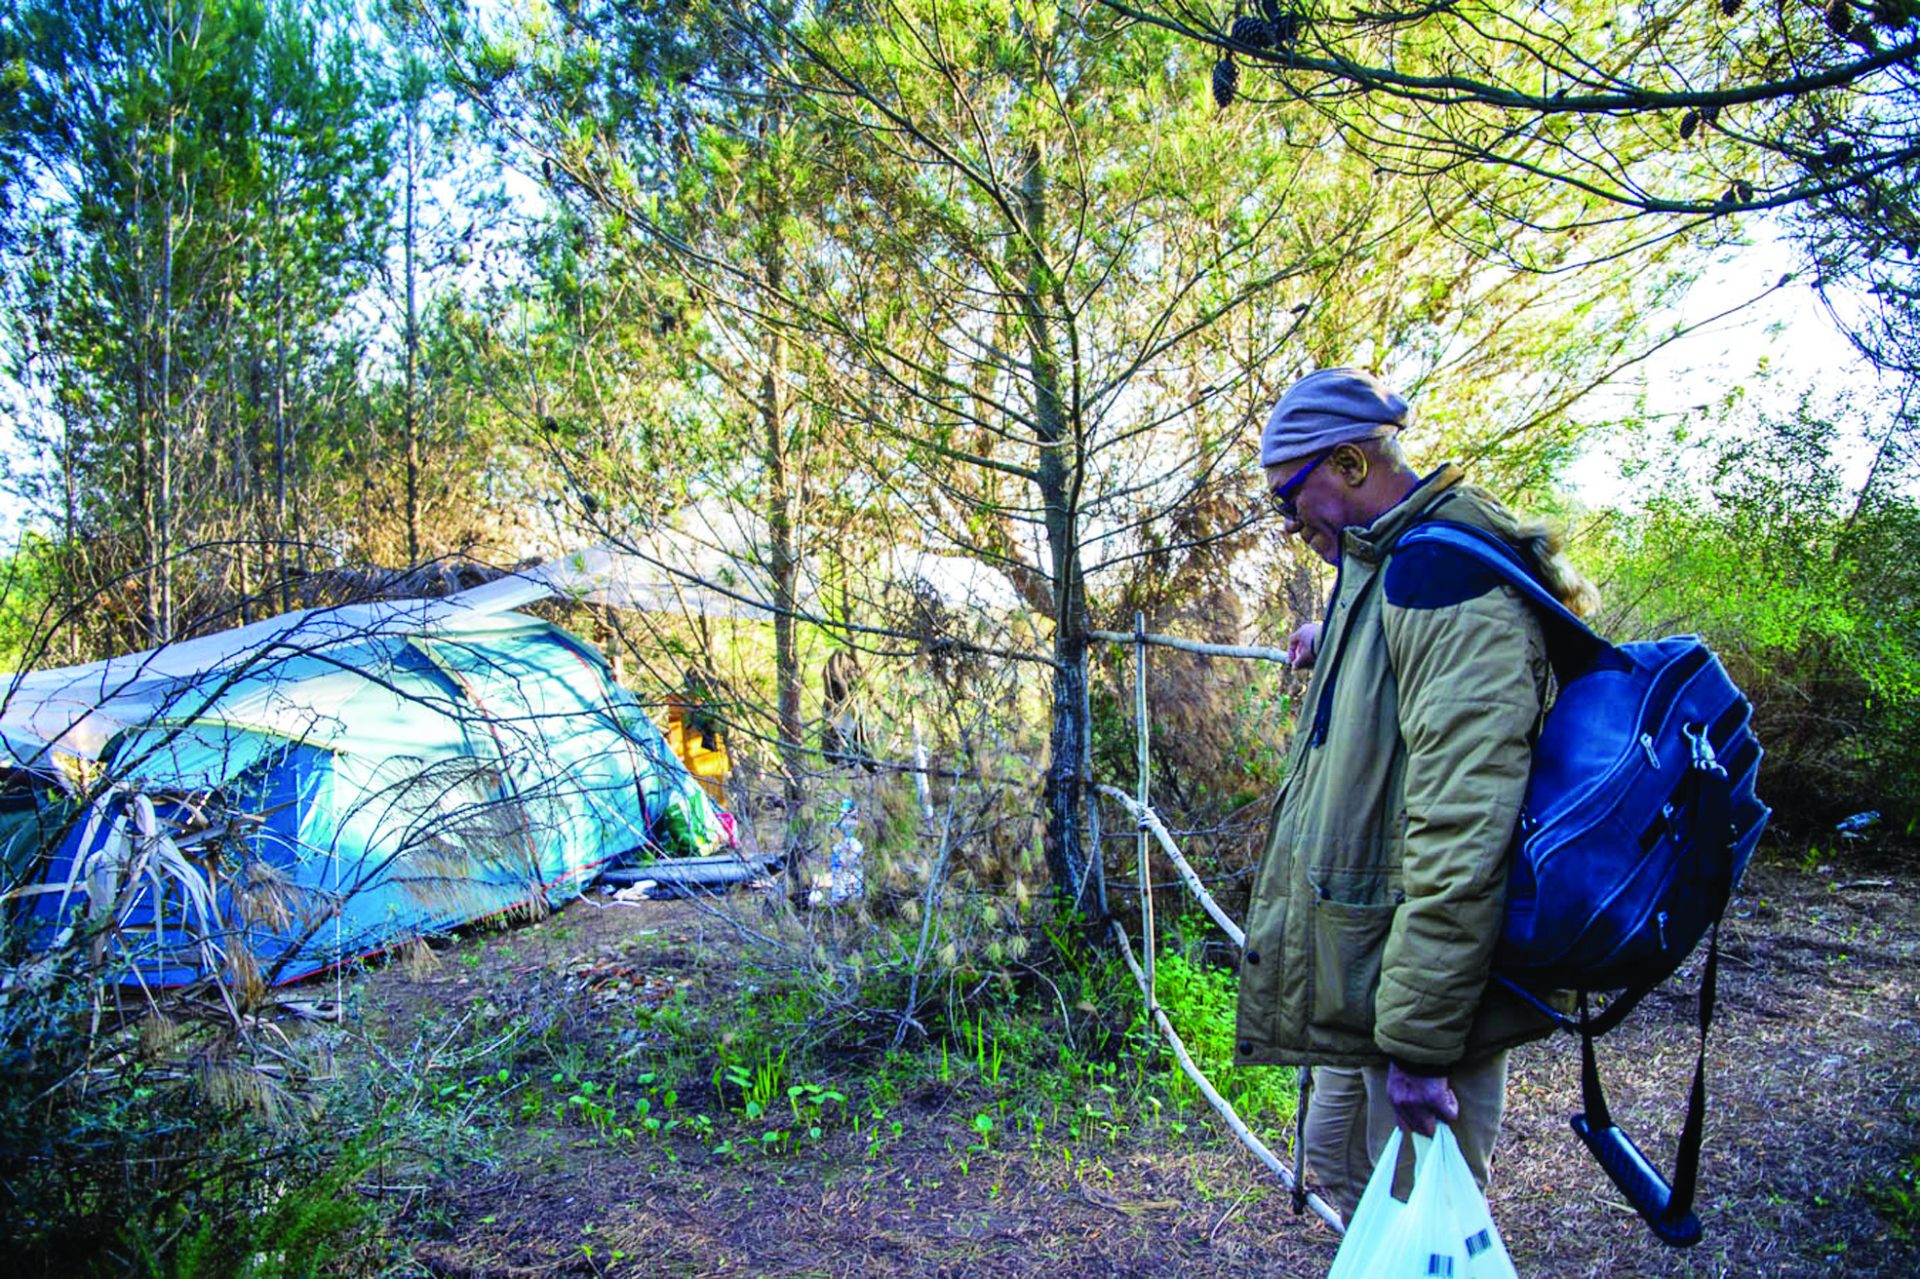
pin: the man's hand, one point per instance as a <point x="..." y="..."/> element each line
<point x="1420" y="1101"/>
<point x="1300" y="646"/>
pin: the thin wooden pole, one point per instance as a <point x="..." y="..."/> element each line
<point x="1193" y="646"/>
<point x="1141" y="765"/>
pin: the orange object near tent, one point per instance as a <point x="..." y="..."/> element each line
<point x="710" y="766"/>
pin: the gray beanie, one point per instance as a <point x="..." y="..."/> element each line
<point x="1329" y="407"/>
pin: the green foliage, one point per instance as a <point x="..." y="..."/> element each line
<point x="195" y="206"/>
<point x="1200" y="1002"/>
<point x="789" y="1062"/>
<point x="1812" y="596"/>
<point x="755" y="1084"/>
<point x="988" y="1053"/>
<point x="296" y="1230"/>
<point x="158" y="1132"/>
<point x="119" y="1160"/>
<point x="1897" y="1199"/>
<point x="29" y="581"/>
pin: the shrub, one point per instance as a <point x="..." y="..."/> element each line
<point x="1810" y="593"/>
<point x="150" y="1132"/>
<point x="135" y="1150"/>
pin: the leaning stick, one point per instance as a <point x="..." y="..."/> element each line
<point x="1152" y="823"/>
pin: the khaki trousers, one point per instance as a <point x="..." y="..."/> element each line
<point x="1349" y="1120"/>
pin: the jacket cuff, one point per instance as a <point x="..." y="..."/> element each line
<point x="1423" y="1069"/>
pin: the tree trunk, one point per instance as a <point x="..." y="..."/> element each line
<point x="280" y="442"/>
<point x="143" y="427"/>
<point x="69" y="523"/>
<point x="163" y="515"/>
<point x="413" y="343"/>
<point x="783" y="558"/>
<point x="783" y="562"/>
<point x="238" y="413"/>
<point x="1071" y="863"/>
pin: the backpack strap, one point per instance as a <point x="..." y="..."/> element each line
<point x="1666" y="1207"/>
<point x="1491" y="552"/>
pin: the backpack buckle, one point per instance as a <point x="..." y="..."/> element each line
<point x="1703" y="757"/>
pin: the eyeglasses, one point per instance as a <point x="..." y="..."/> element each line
<point x="1282" y="496"/>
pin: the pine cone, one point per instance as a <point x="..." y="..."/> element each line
<point x="1710" y="114"/>
<point x="1744" y="190"/>
<point x="1730" y="7"/>
<point x="1252" y="32"/>
<point x="1226" y="79"/>
<point x="1840" y="17"/>
<point x="1688" y="123"/>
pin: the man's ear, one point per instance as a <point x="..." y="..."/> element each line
<point x="1350" y="464"/>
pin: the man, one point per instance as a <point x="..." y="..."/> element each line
<point x="1381" y="889"/>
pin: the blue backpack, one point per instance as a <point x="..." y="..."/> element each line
<point x="1640" y="818"/>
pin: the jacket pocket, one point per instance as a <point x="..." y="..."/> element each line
<point x="1348" y="941"/>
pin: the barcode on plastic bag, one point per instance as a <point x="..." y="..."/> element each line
<point x="1440" y="1264"/>
<point x="1478" y="1242"/>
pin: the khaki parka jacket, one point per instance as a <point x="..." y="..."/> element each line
<point x="1379" y="895"/>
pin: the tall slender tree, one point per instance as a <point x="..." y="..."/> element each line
<point x="208" y="173"/>
<point x="660" y="127"/>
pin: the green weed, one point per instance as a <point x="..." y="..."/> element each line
<point x="987" y="1054"/>
<point x="812" y="1104"/>
<point x="1201" y="1004"/>
<point x="598" y="1110"/>
<point x="1897" y="1199"/>
<point x="757" y="1084"/>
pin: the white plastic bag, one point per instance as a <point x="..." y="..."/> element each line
<point x="1423" y="1243"/>
<point x="1486" y="1256"/>
<point x="1373" y="1220"/>
<point x="1443" y="1231"/>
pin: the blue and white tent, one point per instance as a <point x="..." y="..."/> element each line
<point x="281" y="798"/>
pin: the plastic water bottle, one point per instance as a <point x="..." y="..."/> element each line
<point x="1858" y="822"/>
<point x="843" y="863"/>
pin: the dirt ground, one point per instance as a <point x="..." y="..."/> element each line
<point x="1815" y="1118"/>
